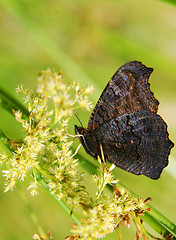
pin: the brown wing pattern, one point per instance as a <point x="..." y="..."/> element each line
<point x="137" y="142"/>
<point x="126" y="92"/>
<point x="124" y="122"/>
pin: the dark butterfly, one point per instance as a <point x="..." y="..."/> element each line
<point x="124" y="122"/>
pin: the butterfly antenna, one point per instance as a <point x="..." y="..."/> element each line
<point x="77" y="116"/>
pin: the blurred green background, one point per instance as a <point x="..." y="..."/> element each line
<point x="88" y="41"/>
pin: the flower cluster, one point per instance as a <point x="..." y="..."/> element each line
<point x="104" y="217"/>
<point x="108" y="212"/>
<point x="46" y="147"/>
<point x="46" y="151"/>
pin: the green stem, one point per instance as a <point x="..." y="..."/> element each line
<point x="154" y="218"/>
<point x="158" y="227"/>
<point x="10" y="103"/>
<point x="32" y="214"/>
<point x="104" y="180"/>
<point x="44" y="173"/>
<point x="60" y="202"/>
<point x="153" y="214"/>
<point x="5" y="146"/>
<point x="100" y="192"/>
<point x="163" y="220"/>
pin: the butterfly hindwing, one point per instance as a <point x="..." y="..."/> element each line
<point x="132" y="142"/>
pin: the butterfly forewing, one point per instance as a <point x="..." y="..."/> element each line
<point x="127" y="91"/>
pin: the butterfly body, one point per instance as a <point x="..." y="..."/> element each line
<point x="125" y="123"/>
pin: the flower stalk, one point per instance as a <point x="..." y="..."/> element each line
<point x="62" y="204"/>
<point x="32" y="213"/>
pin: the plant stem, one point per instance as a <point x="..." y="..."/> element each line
<point x="10" y="103"/>
<point x="163" y="220"/>
<point x="60" y="202"/>
<point x="32" y="214"/>
<point x="154" y="218"/>
<point x="153" y="215"/>
<point x="44" y="173"/>
<point x="5" y="147"/>
<point x="158" y="227"/>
